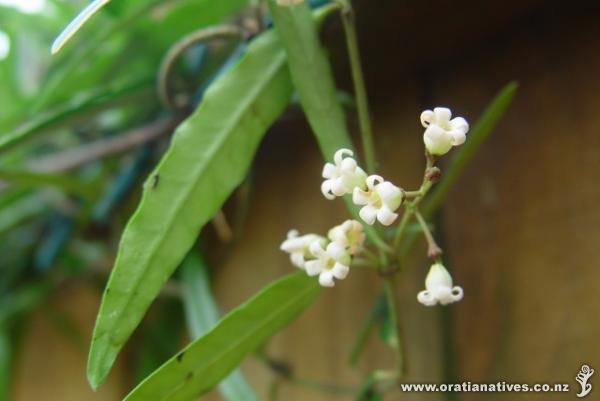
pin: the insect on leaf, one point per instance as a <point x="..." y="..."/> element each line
<point x="209" y="156"/>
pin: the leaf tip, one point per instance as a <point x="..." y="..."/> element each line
<point x="76" y="24"/>
<point x="98" y="365"/>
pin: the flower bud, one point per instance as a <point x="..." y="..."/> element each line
<point x="438" y="287"/>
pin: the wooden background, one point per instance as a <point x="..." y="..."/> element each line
<point x="521" y="228"/>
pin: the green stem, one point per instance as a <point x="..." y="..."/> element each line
<point x="411" y="206"/>
<point x="284" y="372"/>
<point x="360" y="92"/>
<point x="390" y="294"/>
<point x="323" y="387"/>
<point x="402" y="225"/>
<point x="370" y="256"/>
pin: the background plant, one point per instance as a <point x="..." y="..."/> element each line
<point x="102" y="144"/>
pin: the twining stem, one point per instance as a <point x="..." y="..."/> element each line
<point x="360" y="92"/>
<point x="169" y="60"/>
<point x="433" y="250"/>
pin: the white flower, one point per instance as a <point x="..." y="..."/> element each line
<point x="441" y="132"/>
<point x="349" y="234"/>
<point x="299" y="247"/>
<point x="439" y="287"/>
<point x="381" y="199"/>
<point x="334" y="261"/>
<point x="342" y="177"/>
<point x="288" y="3"/>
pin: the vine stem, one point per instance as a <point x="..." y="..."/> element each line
<point x="390" y="295"/>
<point x="360" y="92"/>
<point x="417" y="196"/>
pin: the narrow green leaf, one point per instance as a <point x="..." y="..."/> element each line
<point x="23" y="209"/>
<point x="5" y="362"/>
<point x="21" y="301"/>
<point x="209" y="156"/>
<point x="77" y="109"/>
<point x="202" y="364"/>
<point x="311" y="75"/>
<point x="313" y="80"/>
<point x="479" y="133"/>
<point x="375" y="314"/>
<point x="202" y="314"/>
<point x="63" y="182"/>
<point x="108" y="50"/>
<point x="158" y="338"/>
<point x="75" y="25"/>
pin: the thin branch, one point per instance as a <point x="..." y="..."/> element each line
<point x="74" y="158"/>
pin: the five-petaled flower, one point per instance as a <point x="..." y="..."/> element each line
<point x="299" y="247"/>
<point x="441" y="132"/>
<point x="439" y="287"/>
<point x="380" y="200"/>
<point x="349" y="234"/>
<point x="331" y="262"/>
<point x="342" y="176"/>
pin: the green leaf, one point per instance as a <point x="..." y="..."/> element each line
<point x="75" y="25"/>
<point x="202" y="314"/>
<point x="78" y="109"/>
<point x="479" y="133"/>
<point x="20" y="210"/>
<point x="202" y="364"/>
<point x="21" y="300"/>
<point x="375" y="314"/>
<point x="64" y="182"/>
<point x="311" y="75"/>
<point x="5" y="362"/>
<point x="209" y="156"/>
<point x="129" y="45"/>
<point x="159" y="338"/>
<point x="313" y="80"/>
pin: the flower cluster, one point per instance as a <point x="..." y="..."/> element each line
<point x="329" y="257"/>
<point x="379" y="198"/>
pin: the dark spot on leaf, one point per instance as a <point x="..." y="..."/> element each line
<point x="189" y="376"/>
<point x="155" y="180"/>
<point x="180" y="356"/>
